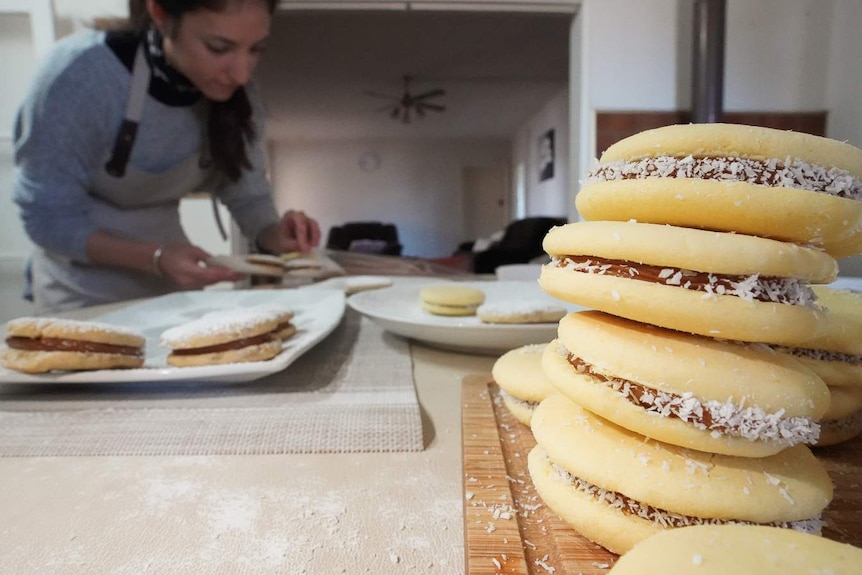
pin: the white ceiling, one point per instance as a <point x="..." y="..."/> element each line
<point x="497" y="69"/>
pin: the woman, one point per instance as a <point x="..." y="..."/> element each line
<point x="119" y="125"/>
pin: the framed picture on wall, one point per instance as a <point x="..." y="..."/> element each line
<point x="546" y="156"/>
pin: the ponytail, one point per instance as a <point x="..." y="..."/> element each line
<point x="230" y="125"/>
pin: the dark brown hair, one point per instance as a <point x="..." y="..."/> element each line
<point x="230" y="124"/>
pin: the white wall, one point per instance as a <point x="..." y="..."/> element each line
<point x="633" y="55"/>
<point x="550" y="197"/>
<point x="844" y="83"/>
<point x="781" y="55"/>
<point x="778" y="58"/>
<point x="418" y="185"/>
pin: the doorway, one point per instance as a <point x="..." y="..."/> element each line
<point x="486" y="200"/>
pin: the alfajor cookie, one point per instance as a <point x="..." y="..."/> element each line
<point x="230" y="336"/>
<point x="40" y="345"/>
<point x="251" y="264"/>
<point x="617" y="488"/>
<point x="520" y="311"/>
<point x="741" y="550"/>
<point x="716" y="284"/>
<point x="522" y="382"/>
<point x="284" y="329"/>
<point x="451" y="299"/>
<point x="836" y="353"/>
<point x="756" y="181"/>
<point x="697" y="392"/>
<point x="843" y="420"/>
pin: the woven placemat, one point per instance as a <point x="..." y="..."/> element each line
<point x="352" y="392"/>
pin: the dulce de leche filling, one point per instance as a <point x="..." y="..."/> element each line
<point x="228" y="346"/>
<point x="666" y="518"/>
<point x="790" y="291"/>
<point x="73" y="345"/>
<point x="821" y="354"/>
<point x="786" y="173"/>
<point x="737" y="420"/>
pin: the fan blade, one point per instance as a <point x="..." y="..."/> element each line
<point x="395" y="112"/>
<point x="420" y="112"/>
<point x="405" y="115"/>
<point x="379" y="95"/>
<point x="435" y="107"/>
<point x="430" y="94"/>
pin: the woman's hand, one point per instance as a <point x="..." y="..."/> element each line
<point x="295" y="232"/>
<point x="182" y="265"/>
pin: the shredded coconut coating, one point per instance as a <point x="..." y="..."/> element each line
<point x="789" y="173"/>
<point x="667" y="519"/>
<point x="738" y="420"/>
<point x="789" y="291"/>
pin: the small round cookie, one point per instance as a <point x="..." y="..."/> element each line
<point x="696" y="392"/>
<point x="451" y="299"/>
<point x="757" y="181"/>
<point x="522" y="381"/>
<point x="41" y="344"/>
<point x="520" y="311"/>
<point x="617" y="487"/>
<point x="738" y="549"/>
<point x="231" y="336"/>
<point x="709" y="283"/>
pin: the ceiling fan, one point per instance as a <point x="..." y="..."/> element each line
<point x="405" y="106"/>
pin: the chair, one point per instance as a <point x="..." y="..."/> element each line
<point x="365" y="237"/>
<point x="521" y="243"/>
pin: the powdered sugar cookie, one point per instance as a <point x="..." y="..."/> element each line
<point x="520" y="311"/>
<point x="283" y="316"/>
<point x="40" y="345"/>
<point x="230" y="336"/>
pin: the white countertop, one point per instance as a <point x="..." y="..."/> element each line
<point x="255" y="514"/>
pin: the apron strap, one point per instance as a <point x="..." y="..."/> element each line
<point x="125" y="139"/>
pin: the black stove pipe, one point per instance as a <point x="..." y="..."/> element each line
<point x="708" y="61"/>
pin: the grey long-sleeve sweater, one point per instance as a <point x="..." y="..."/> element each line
<point x="68" y="123"/>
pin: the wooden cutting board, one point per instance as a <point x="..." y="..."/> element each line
<point x="507" y="529"/>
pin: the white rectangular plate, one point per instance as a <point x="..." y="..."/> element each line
<point x="317" y="313"/>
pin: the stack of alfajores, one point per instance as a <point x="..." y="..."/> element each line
<point x="688" y="396"/>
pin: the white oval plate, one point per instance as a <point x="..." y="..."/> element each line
<point x="397" y="309"/>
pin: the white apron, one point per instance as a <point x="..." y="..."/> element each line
<point x="130" y="204"/>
